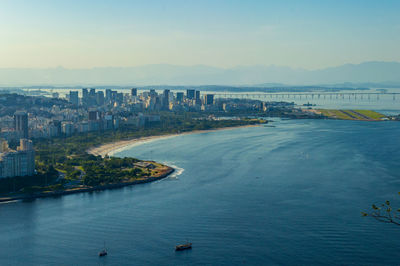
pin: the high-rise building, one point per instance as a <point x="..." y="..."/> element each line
<point x="179" y="96"/>
<point x="158" y="103"/>
<point x="94" y="115"/>
<point x="108" y="121"/>
<point x="166" y="93"/>
<point x="52" y="131"/>
<point x="100" y="98"/>
<point x="190" y="94"/>
<point x="92" y="99"/>
<point x="114" y="95"/>
<point x="95" y="122"/>
<point x="133" y="92"/>
<point x="73" y="97"/>
<point x="198" y="98"/>
<point x="119" y="98"/>
<point x="57" y="127"/>
<point x="85" y="96"/>
<point x="85" y="93"/>
<point x="153" y="93"/>
<point x="67" y="128"/>
<point x="18" y="163"/>
<point x="165" y="100"/>
<point x="108" y="96"/>
<point x="92" y="93"/>
<point x="21" y="124"/>
<point x="208" y="99"/>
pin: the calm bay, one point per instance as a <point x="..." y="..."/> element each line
<point x="285" y="195"/>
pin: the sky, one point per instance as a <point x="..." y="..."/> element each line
<point x="112" y="33"/>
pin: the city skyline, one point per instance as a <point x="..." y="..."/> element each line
<point x="307" y="34"/>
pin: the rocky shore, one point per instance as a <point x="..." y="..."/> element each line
<point x="81" y="189"/>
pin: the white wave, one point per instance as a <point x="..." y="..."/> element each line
<point x="11" y="201"/>
<point x="178" y="170"/>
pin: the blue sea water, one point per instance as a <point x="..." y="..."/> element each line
<point x="285" y="195"/>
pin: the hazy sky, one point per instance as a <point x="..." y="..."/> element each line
<point x="306" y="34"/>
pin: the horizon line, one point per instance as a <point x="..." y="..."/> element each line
<point x="197" y="65"/>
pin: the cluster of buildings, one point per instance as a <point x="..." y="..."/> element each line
<point x="96" y="98"/>
<point x="150" y="100"/>
<point x="19" y="162"/>
<point x="92" y="110"/>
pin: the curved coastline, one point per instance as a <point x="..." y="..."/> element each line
<point x="88" y="189"/>
<point x="113" y="147"/>
<point x="108" y="149"/>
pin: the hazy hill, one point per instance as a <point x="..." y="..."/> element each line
<point x="365" y="73"/>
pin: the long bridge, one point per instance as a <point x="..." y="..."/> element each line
<point x="312" y="95"/>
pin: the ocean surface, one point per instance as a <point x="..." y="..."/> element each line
<point x="284" y="195"/>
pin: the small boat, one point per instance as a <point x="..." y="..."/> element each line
<point x="183" y="246"/>
<point x="104" y="251"/>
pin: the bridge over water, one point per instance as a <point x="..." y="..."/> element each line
<point x="371" y="96"/>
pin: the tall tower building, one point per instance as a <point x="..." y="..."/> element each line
<point x="198" y="99"/>
<point x="92" y="93"/>
<point x="108" y="96"/>
<point x="92" y="97"/>
<point x="179" y="96"/>
<point x="153" y="93"/>
<point x="209" y="99"/>
<point x="100" y="98"/>
<point x="73" y="97"/>
<point x="21" y="124"/>
<point x="165" y="100"/>
<point x="133" y="92"/>
<point x="190" y="94"/>
<point x="85" y="96"/>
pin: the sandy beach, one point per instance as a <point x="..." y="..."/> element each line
<point x="111" y="148"/>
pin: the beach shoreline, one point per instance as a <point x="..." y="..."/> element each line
<point x="112" y="147"/>
<point x="108" y="149"/>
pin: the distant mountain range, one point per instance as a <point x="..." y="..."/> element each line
<point x="368" y="74"/>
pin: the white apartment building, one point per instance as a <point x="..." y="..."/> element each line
<point x="17" y="163"/>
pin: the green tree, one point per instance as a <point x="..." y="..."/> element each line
<point x="384" y="213"/>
